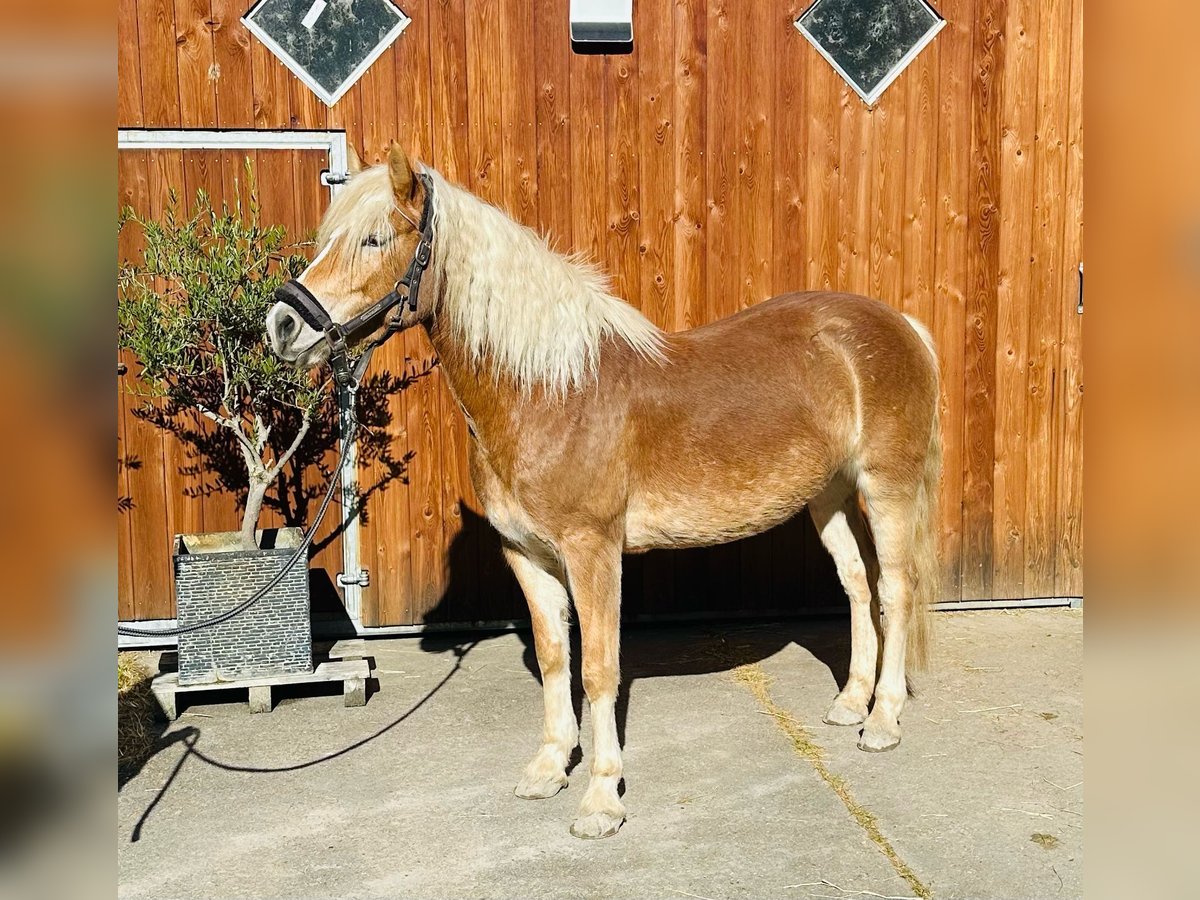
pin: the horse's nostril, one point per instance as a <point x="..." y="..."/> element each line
<point x="283" y="325"/>
<point x="286" y="326"/>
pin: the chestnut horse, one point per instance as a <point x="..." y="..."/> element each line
<point x="594" y="434"/>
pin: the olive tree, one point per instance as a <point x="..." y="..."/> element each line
<point x="192" y="310"/>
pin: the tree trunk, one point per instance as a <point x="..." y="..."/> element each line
<point x="254" y="503"/>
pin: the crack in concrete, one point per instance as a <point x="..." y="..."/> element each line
<point x="755" y="679"/>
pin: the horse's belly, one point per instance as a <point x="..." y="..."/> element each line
<point x="708" y="516"/>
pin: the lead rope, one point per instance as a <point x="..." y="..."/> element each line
<point x="301" y="552"/>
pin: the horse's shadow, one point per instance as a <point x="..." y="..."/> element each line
<point x="717" y="638"/>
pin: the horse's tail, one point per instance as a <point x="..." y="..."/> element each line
<point x="926" y="572"/>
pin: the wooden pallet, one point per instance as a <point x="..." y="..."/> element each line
<point x="353" y="674"/>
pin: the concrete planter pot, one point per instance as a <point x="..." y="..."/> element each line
<point x="214" y="574"/>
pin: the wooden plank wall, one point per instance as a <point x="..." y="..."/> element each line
<point x="722" y="162"/>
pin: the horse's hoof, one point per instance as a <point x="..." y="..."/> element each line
<point x="875" y="740"/>
<point x="539" y="788"/>
<point x="839" y="714"/>
<point x="597" y="825"/>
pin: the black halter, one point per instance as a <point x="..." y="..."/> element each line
<point x="309" y="308"/>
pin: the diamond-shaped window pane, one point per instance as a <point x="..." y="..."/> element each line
<point x="328" y="44"/>
<point x="869" y="42"/>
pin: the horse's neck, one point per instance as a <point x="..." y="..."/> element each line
<point x="488" y="401"/>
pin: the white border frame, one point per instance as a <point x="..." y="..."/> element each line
<point x="329" y="99"/>
<point x="872" y="98"/>
<point x="334" y="143"/>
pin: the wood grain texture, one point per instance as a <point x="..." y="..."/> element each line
<point x="553" y="124"/>
<point x="858" y="134"/>
<point x="952" y="250"/>
<point x="622" y="193"/>
<point x="1068" y="424"/>
<point x="823" y="109"/>
<point x="233" y="72"/>
<point x="486" y="100"/>
<point x="129" y="65"/>
<point x="271" y="97"/>
<point x="194" y="63"/>
<point x="720" y="162"/>
<point x="887" y="170"/>
<point x="1017" y="138"/>
<point x="1050" y="287"/>
<point x="690" y="47"/>
<point x="917" y="249"/>
<point x="158" y="68"/>
<point x="980" y="359"/>
<point x="519" y="111"/>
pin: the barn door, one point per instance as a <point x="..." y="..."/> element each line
<point x="165" y="486"/>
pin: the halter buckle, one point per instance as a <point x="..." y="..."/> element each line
<point x="339" y="360"/>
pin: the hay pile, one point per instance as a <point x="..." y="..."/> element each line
<point x="135" y="710"/>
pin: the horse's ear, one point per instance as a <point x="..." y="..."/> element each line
<point x="354" y="165"/>
<point x="403" y="182"/>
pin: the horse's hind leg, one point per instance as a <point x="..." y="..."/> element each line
<point x="892" y="516"/>
<point x="840" y="525"/>
<point x="546" y="595"/>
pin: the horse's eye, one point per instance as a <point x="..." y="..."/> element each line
<point x="372" y="240"/>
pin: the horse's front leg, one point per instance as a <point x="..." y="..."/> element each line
<point x="546" y="595"/>
<point x="594" y="573"/>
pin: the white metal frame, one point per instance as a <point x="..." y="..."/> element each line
<point x="296" y="69"/>
<point x="334" y="143"/>
<point x="873" y="97"/>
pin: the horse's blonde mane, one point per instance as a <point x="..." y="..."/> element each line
<point x="539" y="317"/>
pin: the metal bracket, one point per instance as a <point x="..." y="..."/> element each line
<point x="362" y="579"/>
<point x="329" y="179"/>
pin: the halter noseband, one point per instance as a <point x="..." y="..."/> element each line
<point x="309" y="308"/>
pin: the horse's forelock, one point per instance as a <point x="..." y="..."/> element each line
<point x="361" y="208"/>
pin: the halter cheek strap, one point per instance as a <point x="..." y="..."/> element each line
<point x="309" y="308"/>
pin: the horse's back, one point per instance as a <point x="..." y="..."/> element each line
<point x="802" y="314"/>
<point x="889" y="357"/>
<point x="810" y="350"/>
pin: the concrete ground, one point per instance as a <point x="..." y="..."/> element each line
<point x="735" y="788"/>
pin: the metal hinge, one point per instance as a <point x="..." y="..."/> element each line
<point x="362" y="579"/>
<point x="1079" y="304"/>
<point x="332" y="178"/>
